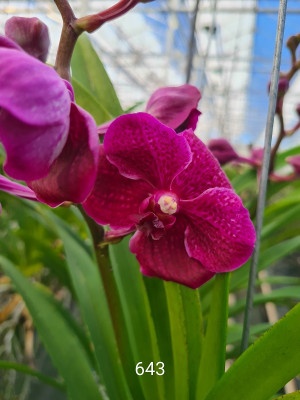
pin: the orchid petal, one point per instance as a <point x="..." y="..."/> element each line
<point x="173" y="105"/>
<point x="73" y="174"/>
<point x="295" y="163"/>
<point x="31" y="34"/>
<point x="222" y="150"/>
<point x="167" y="258"/>
<point x="30" y="150"/>
<point x="115" y="200"/>
<point x="204" y="171"/>
<point x="31" y="91"/>
<point x="221" y="235"/>
<point x="143" y="148"/>
<point x="16" y="189"/>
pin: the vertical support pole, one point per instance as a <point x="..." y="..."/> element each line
<point x="265" y="170"/>
<point x="191" y="48"/>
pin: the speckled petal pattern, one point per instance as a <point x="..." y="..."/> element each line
<point x="143" y="148"/>
<point x="221" y="235"/>
<point x="167" y="258"/>
<point x="115" y="200"/>
<point x="204" y="171"/>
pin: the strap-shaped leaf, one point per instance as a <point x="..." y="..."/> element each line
<point x="212" y="364"/>
<point x="138" y="317"/>
<point x="266" y="366"/>
<point x="95" y="312"/>
<point x="29" y="371"/>
<point x="58" y="336"/>
<point x="89" y="71"/>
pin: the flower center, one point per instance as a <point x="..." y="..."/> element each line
<point x="168" y="203"/>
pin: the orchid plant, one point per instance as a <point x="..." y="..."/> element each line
<point x="133" y="214"/>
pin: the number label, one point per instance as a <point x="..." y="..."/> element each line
<point x="159" y="370"/>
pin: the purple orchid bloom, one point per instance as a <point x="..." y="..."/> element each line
<point x="31" y="34"/>
<point x="174" y="106"/>
<point x="283" y="87"/>
<point x="34" y="113"/>
<point x="222" y="150"/>
<point x="169" y="188"/>
<point x="50" y="142"/>
<point x="295" y="163"/>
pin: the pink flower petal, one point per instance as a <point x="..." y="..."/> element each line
<point x="31" y="34"/>
<point x="14" y="188"/>
<point x="222" y="150"/>
<point x="9" y="44"/>
<point x="167" y="258"/>
<point x="173" y="105"/>
<point x="115" y="200"/>
<point x="190" y="123"/>
<point x="295" y="163"/>
<point x="31" y="91"/>
<point x="102" y="129"/>
<point x="143" y="148"/>
<point x="204" y="171"/>
<point x="30" y="150"/>
<point x="73" y="174"/>
<point x="221" y="235"/>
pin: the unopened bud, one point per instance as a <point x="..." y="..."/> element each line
<point x="293" y="42"/>
<point x="31" y="34"/>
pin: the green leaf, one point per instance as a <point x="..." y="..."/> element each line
<point x="160" y="314"/>
<point x="266" y="366"/>
<point x="212" y="364"/>
<point x="267" y="258"/>
<point x="86" y="100"/>
<point x="59" y="338"/>
<point x="275" y="296"/>
<point x="194" y="333"/>
<point x="89" y="71"/>
<point x="234" y="332"/>
<point x="93" y="304"/>
<point x="179" y="340"/>
<point x="138" y="317"/>
<point x="290" y="396"/>
<point x="28" y="371"/>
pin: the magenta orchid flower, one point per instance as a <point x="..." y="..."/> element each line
<point x="169" y="188"/>
<point x="34" y="117"/>
<point x="31" y="34"/>
<point x="174" y="106"/>
<point x="222" y="150"/>
<point x="50" y="142"/>
<point x="295" y="163"/>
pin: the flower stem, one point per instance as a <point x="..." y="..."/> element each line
<point x="108" y="280"/>
<point x="68" y="38"/>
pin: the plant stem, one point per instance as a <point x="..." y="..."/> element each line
<point x="69" y="36"/>
<point x="92" y="22"/>
<point x="108" y="280"/>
